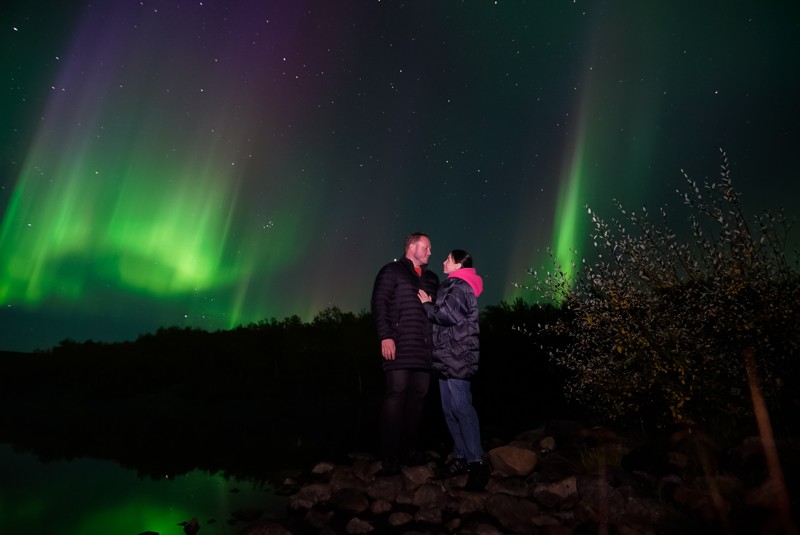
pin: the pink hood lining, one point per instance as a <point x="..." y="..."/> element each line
<point x="472" y="278"/>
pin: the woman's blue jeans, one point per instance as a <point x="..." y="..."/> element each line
<point x="461" y="418"/>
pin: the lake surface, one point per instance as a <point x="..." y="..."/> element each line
<point x="98" y="497"/>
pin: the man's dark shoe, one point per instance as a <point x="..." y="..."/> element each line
<point x="454" y="467"/>
<point x="414" y="458"/>
<point x="478" y="476"/>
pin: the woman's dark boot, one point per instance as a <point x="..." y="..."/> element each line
<point x="478" y="476"/>
<point x="455" y="467"/>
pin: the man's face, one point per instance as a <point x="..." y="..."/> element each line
<point x="420" y="251"/>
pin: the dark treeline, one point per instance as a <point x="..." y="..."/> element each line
<point x="249" y="400"/>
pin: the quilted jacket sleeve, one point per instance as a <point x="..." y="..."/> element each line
<point x="382" y="297"/>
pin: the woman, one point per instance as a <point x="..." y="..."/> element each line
<point x="455" y="361"/>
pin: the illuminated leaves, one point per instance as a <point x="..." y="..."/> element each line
<point x="658" y="320"/>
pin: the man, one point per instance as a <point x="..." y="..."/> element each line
<point x="406" y="347"/>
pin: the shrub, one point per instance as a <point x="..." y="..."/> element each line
<point x="657" y="325"/>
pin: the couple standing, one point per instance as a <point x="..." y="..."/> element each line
<point x="422" y="326"/>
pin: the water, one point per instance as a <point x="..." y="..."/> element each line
<point x="96" y="497"/>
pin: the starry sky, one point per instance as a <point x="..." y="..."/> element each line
<point x="214" y="163"/>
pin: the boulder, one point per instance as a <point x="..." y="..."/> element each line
<point x="512" y="461"/>
<point x="310" y="495"/>
<point x="265" y="527"/>
<point x="350" y="500"/>
<point x="400" y="519"/>
<point x="514" y="514"/>
<point x="557" y="494"/>
<point x="357" y="525"/>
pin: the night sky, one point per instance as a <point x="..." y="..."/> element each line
<point x="215" y="163"/>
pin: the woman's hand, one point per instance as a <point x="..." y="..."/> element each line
<point x="424" y="297"/>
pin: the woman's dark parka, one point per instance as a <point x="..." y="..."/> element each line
<point x="454" y="314"/>
<point x="399" y="315"/>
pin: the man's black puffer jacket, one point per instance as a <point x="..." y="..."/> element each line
<point x="399" y="315"/>
<point x="455" y="330"/>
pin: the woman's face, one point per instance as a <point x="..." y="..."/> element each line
<point x="449" y="265"/>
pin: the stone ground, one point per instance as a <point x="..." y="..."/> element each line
<point x="566" y="478"/>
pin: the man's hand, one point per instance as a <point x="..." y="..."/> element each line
<point x="388" y="349"/>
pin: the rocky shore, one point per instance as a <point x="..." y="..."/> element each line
<point x="565" y="478"/>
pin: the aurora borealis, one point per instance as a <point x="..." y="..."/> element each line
<point x="216" y="163"/>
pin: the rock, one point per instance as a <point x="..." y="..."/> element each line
<point x="512" y="461"/>
<point x="265" y="527"/>
<point x="288" y="487"/>
<point x="405" y="497"/>
<point x="606" y="493"/>
<point x="453" y="525"/>
<point x="319" y="519"/>
<point x="546" y="521"/>
<point x="356" y="525"/>
<point x="361" y="456"/>
<point x="514" y="514"/>
<point x="558" y="494"/>
<point x="344" y="477"/>
<point x="536" y="488"/>
<point x="641" y="514"/>
<point x="310" y="495"/>
<point x="400" y="519"/>
<point x="385" y="488"/>
<point x="531" y="436"/>
<point x="521" y="444"/>
<point x="554" y="467"/>
<point x="417" y="475"/>
<point x="323" y="468"/>
<point x="515" y="486"/>
<point x="380" y="507"/>
<point x="429" y="515"/>
<point x="351" y="500"/>
<point x="429" y="495"/>
<point x="466" y="503"/>
<point x="487" y="529"/>
<point x="191" y="527"/>
<point x="365" y="469"/>
<point x="547" y="444"/>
